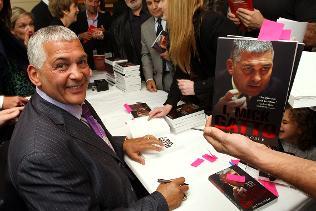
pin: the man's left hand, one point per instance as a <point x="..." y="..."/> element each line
<point x="133" y="148"/>
<point x="186" y="87"/>
<point x="251" y="19"/>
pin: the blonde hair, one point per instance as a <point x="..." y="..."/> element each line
<point x="181" y="31"/>
<point x="17" y="12"/>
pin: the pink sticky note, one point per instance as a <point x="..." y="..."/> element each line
<point x="270" y="30"/>
<point x="270" y="186"/>
<point x="127" y="108"/>
<point x="209" y="157"/>
<point x="286" y="34"/>
<point x="234" y="162"/>
<point x="197" y="162"/>
<point x="236" y="178"/>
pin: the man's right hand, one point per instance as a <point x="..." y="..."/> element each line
<point x="151" y="85"/>
<point x="13" y="101"/>
<point x="160" y="111"/>
<point x="231" y="101"/>
<point x="9" y="114"/>
<point x="174" y="192"/>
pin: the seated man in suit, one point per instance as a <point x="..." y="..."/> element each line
<point x="61" y="156"/>
<point x="92" y="27"/>
<point x="248" y="75"/>
<point x="156" y="68"/>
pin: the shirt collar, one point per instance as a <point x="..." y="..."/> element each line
<point x="96" y="17"/>
<point x="45" y="1"/>
<point x="74" y="110"/>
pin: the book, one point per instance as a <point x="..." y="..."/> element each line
<point x="297" y="28"/>
<point x="161" y="42"/>
<point x="183" y="111"/>
<point x="139" y="109"/>
<point x="246" y="195"/>
<point x="109" y="68"/>
<point x="235" y="4"/>
<point x="251" y="88"/>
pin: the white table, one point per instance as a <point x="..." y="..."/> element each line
<point x="175" y="162"/>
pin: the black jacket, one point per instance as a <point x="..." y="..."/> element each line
<point x="42" y="15"/>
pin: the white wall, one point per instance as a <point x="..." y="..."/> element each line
<point x="25" y="4"/>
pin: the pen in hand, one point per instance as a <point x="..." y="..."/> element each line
<point x="164" y="181"/>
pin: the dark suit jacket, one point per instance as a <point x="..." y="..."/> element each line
<point x="42" y="16"/>
<point x="57" y="162"/>
<point x="102" y="46"/>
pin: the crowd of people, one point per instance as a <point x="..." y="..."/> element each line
<point x="62" y="156"/>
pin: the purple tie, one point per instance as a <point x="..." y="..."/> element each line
<point x="94" y="125"/>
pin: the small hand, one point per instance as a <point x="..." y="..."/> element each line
<point x="174" y="192"/>
<point x="133" y="148"/>
<point x="186" y="87"/>
<point x="151" y="85"/>
<point x="13" y="101"/>
<point x="233" y="17"/>
<point x="251" y="19"/>
<point x="231" y="102"/>
<point x="160" y="111"/>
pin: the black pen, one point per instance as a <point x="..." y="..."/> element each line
<point x="197" y="129"/>
<point x="164" y="181"/>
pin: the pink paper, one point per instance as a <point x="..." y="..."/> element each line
<point x="270" y="186"/>
<point x="234" y="162"/>
<point x="197" y="162"/>
<point x="270" y="30"/>
<point x="209" y="157"/>
<point x="127" y="108"/>
<point x="286" y="34"/>
<point x="236" y="178"/>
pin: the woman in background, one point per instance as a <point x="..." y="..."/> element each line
<point x="193" y="33"/>
<point x="22" y="24"/>
<point x="64" y="12"/>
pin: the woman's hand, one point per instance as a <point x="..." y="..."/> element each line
<point x="160" y="111"/>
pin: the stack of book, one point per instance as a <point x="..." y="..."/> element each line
<point x="127" y="76"/>
<point x="109" y="68"/>
<point x="184" y="117"/>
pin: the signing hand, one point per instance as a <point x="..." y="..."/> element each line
<point x="251" y="19"/>
<point x="174" y="192"/>
<point x="133" y="148"/>
<point x="160" y="111"/>
<point x="13" y="101"/>
<point x="9" y="114"/>
<point x="151" y="85"/>
<point x="231" y="101"/>
<point x="186" y="87"/>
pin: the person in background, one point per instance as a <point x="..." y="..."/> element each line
<point x="41" y="14"/>
<point x="126" y="31"/>
<point x="193" y="33"/>
<point x="297" y="132"/>
<point x="61" y="155"/>
<point x="278" y="164"/>
<point x="22" y="25"/>
<point x="157" y="69"/>
<point x="92" y="28"/>
<point x="64" y="12"/>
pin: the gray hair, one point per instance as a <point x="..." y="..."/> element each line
<point x="253" y="46"/>
<point x="35" y="49"/>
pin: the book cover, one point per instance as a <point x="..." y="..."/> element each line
<point x="247" y="195"/>
<point x="252" y="80"/>
<point x="161" y="42"/>
<point x="184" y="110"/>
<point x="139" y="109"/>
<point x="235" y="4"/>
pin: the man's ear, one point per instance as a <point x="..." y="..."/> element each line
<point x="33" y="74"/>
<point x="230" y="66"/>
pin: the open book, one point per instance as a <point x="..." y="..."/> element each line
<point x="161" y="42"/>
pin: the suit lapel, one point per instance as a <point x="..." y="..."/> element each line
<point x="71" y="125"/>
